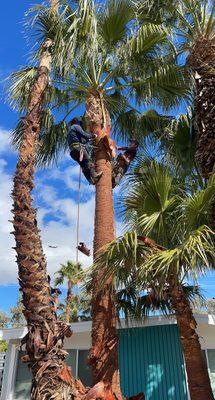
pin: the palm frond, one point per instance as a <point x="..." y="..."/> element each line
<point x="192" y="257"/>
<point x="121" y="256"/>
<point x="113" y="23"/>
<point x="53" y="140"/>
<point x="20" y="89"/>
<point x="151" y="201"/>
<point x="198" y="208"/>
<point x="70" y="271"/>
<point x="147" y="39"/>
<point x="166" y="86"/>
<point x="151" y="122"/>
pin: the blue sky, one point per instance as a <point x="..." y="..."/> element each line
<point x="56" y="188"/>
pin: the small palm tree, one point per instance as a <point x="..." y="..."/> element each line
<point x="4" y="320"/>
<point x="17" y="318"/>
<point x="73" y="273"/>
<point x="171" y="242"/>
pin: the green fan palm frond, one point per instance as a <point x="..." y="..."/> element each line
<point x="17" y="134"/>
<point x="113" y="23"/>
<point x="153" y="200"/>
<point x="147" y="39"/>
<point x="172" y="236"/>
<point x="122" y="255"/>
<point x="151" y="121"/>
<point x="198" y="208"/>
<point x="178" y="140"/>
<point x="191" y="258"/>
<point x="21" y="85"/>
<point x="144" y="305"/>
<point x="158" y="11"/>
<point x="59" y="280"/>
<point x="195" y="20"/>
<point x="130" y="65"/>
<point x="53" y="142"/>
<point x="70" y="271"/>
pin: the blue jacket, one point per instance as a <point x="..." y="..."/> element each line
<point x="78" y="135"/>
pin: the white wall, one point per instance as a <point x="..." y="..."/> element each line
<point x="79" y="341"/>
<point x="207" y="336"/>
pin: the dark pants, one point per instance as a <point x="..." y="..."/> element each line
<point x="120" y="167"/>
<point x="86" y="164"/>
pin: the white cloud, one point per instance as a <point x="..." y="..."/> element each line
<point x="57" y="215"/>
<point x="8" y="266"/>
<point x="60" y="233"/>
<point x="5" y="137"/>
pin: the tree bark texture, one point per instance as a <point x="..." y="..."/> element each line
<point x="104" y="352"/>
<point x="197" y="373"/>
<point x="68" y="301"/>
<point x="44" y="341"/>
<point x="202" y="62"/>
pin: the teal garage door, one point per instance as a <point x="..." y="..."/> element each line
<point x="151" y="361"/>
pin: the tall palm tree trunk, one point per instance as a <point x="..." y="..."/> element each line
<point x="44" y="341"/>
<point x="202" y="62"/>
<point x="104" y="351"/>
<point x="197" y="373"/>
<point x="68" y="301"/>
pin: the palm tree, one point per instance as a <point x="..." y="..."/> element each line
<point x="79" y="308"/>
<point x="17" y="319"/>
<point x="104" y="76"/>
<point x="44" y="341"/>
<point x="73" y="273"/>
<point x="193" y="24"/>
<point x="171" y="242"/>
<point x="197" y="23"/>
<point x="4" y="319"/>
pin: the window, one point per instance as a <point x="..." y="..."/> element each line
<point x="76" y="359"/>
<point x="84" y="371"/>
<point x="211" y="365"/>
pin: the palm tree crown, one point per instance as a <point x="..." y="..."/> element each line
<point x="176" y="221"/>
<point x="120" y="61"/>
<point x="70" y="271"/>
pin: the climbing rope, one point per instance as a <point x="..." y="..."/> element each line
<point x="78" y="216"/>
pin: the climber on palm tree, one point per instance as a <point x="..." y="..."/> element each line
<point x="123" y="161"/>
<point x="77" y="140"/>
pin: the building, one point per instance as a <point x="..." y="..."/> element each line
<point x="150" y="357"/>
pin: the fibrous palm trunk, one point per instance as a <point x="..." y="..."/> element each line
<point x="202" y="62"/>
<point x="44" y="341"/>
<point x="104" y="352"/>
<point x="197" y="373"/>
<point x="68" y="302"/>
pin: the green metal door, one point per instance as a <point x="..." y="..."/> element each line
<point x="151" y="361"/>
